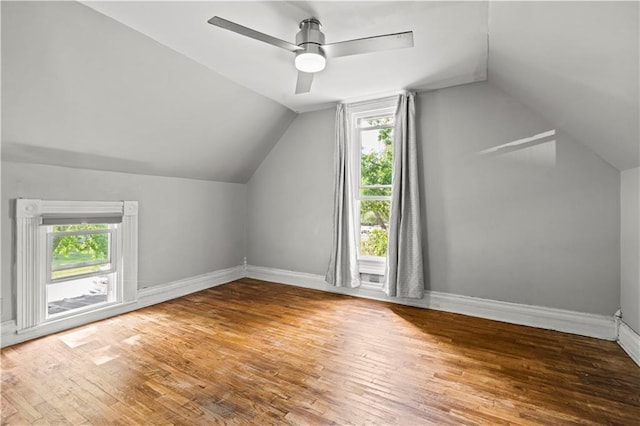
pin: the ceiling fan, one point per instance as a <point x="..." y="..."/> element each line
<point x="310" y="49"/>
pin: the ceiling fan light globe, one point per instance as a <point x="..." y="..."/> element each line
<point x="310" y="62"/>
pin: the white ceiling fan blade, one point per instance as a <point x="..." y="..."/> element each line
<point x="369" y="44"/>
<point x="256" y="35"/>
<point x="303" y="84"/>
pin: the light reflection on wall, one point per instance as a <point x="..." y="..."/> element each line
<point x="538" y="150"/>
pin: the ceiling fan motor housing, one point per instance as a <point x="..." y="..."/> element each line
<point x="310" y="33"/>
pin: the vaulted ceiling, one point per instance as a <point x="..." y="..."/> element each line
<point x="82" y="90"/>
<point x="150" y="87"/>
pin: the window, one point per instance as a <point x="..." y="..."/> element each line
<point x="73" y="259"/>
<point x="374" y="193"/>
<point x="372" y="137"/>
<point x="81" y="266"/>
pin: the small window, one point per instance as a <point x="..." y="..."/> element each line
<point x="75" y="261"/>
<point x="81" y="266"/>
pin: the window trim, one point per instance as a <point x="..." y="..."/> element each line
<point x="31" y="254"/>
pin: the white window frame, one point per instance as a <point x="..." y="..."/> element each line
<point x="363" y="110"/>
<point x="32" y="259"/>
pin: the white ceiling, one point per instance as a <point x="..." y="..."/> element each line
<point x="450" y="44"/>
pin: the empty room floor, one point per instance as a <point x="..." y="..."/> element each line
<point x="251" y="352"/>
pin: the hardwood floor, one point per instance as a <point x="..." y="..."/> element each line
<point x="251" y="352"/>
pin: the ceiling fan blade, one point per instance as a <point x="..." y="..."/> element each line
<point x="304" y="82"/>
<point x="256" y="35"/>
<point x="369" y="44"/>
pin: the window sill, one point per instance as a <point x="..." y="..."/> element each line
<point x="80" y="312"/>
<point x="367" y="285"/>
<point x="76" y="319"/>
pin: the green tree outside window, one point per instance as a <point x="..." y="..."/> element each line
<point x="376" y="168"/>
<point x="73" y="249"/>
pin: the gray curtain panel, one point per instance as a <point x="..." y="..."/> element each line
<point x="404" y="270"/>
<point x="343" y="264"/>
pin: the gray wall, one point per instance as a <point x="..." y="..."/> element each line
<point x="538" y="226"/>
<point x="290" y="198"/>
<point x="513" y="227"/>
<point x="630" y="247"/>
<point x="186" y="227"/>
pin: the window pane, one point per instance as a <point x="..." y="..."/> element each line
<point x="80" y="293"/>
<point x="376" y="156"/>
<point x="374" y="222"/>
<point x="75" y="250"/>
<point x="78" y="249"/>
<point x="375" y="121"/>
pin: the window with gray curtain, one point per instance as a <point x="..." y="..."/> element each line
<point x="376" y="214"/>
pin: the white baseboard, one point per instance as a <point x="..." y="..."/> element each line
<point x="161" y="293"/>
<point x="146" y="297"/>
<point x="8" y="329"/>
<point x="584" y="324"/>
<point x="598" y="326"/>
<point x="629" y="340"/>
<point x="298" y="279"/>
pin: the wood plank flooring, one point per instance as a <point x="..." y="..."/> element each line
<point x="251" y="352"/>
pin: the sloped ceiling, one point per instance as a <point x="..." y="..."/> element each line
<point x="168" y="94"/>
<point x="82" y="90"/>
<point x="575" y="64"/>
